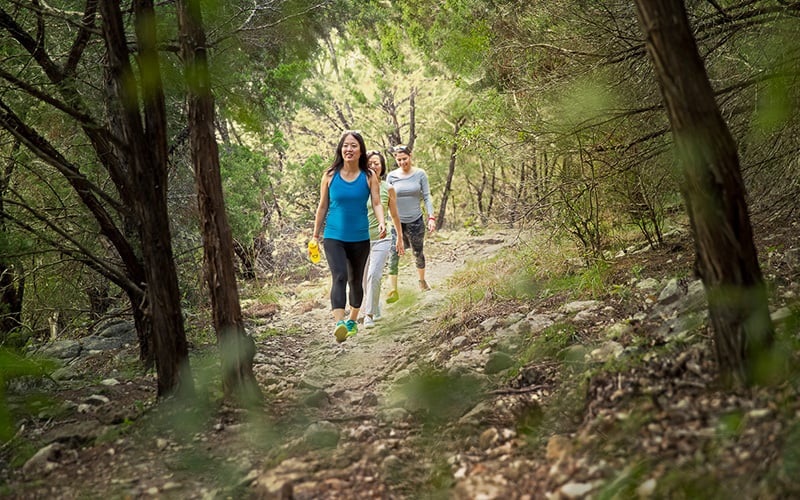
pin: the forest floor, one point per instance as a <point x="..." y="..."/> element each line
<point x="447" y="397"/>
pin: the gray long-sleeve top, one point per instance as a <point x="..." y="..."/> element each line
<point x="410" y="190"/>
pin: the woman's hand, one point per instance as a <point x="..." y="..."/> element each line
<point x="431" y="224"/>
<point x="381" y="231"/>
<point x="399" y="246"/>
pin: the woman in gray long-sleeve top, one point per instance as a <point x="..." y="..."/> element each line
<point x="411" y="187"/>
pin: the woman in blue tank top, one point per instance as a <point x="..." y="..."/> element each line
<point x="344" y="190"/>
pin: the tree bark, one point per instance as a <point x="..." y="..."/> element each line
<point x="450" y="172"/>
<point x="12" y="278"/>
<point x="714" y="194"/>
<point x="236" y="347"/>
<point x="145" y="150"/>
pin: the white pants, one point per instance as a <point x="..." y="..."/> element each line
<point x="378" y="253"/>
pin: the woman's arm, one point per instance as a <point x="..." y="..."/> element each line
<point x="322" y="207"/>
<point x="377" y="206"/>
<point x="426" y="197"/>
<point x="398" y="227"/>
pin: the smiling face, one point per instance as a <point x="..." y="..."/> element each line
<point x="351" y="149"/>
<point x="374" y="163"/>
<point x="403" y="161"/>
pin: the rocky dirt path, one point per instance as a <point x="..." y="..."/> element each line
<point x="342" y="392"/>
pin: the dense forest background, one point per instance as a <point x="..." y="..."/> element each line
<point x="524" y="114"/>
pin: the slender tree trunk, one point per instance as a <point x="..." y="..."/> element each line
<point x="412" y="118"/>
<point x="12" y="277"/>
<point x="450" y="172"/>
<point x="714" y="193"/>
<point x="146" y="155"/>
<point x="236" y="347"/>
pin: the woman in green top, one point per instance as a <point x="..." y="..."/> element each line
<point x="379" y="247"/>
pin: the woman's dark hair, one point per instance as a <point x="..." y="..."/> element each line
<point x="372" y="153"/>
<point x="338" y="162"/>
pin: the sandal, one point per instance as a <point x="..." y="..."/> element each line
<point x="392" y="297"/>
<point x="423" y="285"/>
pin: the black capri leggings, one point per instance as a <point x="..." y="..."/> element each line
<point x="346" y="260"/>
<point x="414" y="237"/>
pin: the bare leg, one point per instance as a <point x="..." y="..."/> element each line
<point x="423" y="285"/>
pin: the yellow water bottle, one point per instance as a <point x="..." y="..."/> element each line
<point x="313" y="251"/>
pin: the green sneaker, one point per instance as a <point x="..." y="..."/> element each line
<point x="392" y="297"/>
<point x="352" y="327"/>
<point x="340" y="332"/>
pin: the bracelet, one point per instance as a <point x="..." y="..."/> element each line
<point x="431" y="218"/>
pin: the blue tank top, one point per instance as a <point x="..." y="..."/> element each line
<point x="347" y="209"/>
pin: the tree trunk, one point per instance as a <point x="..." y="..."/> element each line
<point x="714" y="193"/>
<point x="450" y="172"/>
<point x="12" y="287"/>
<point x="146" y="154"/>
<point x="12" y="278"/>
<point x="236" y="347"/>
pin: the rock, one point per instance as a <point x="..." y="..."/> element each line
<point x="472" y="359"/>
<point x="558" y="447"/>
<point x="316" y="399"/>
<point x="278" y="483"/>
<point x="618" y="330"/>
<point x="607" y="351"/>
<point x="646" y="489"/>
<point x="97" y="400"/>
<point x="477" y="415"/>
<point x="62" y="349"/>
<point x="670" y="293"/>
<point x="497" y="362"/>
<point x="647" y="284"/>
<point x="587" y="316"/>
<point x="489" y="324"/>
<point x="44" y="460"/>
<point x="117" y="328"/>
<point x="781" y="315"/>
<point x="576" y="490"/>
<point x="579" y="305"/>
<point x="458" y="341"/>
<point x="95" y="343"/>
<point x="488" y="438"/>
<point x="370" y="399"/>
<point x="321" y="435"/>
<point x="392" y="467"/>
<point x="393" y="415"/>
<point x="695" y="299"/>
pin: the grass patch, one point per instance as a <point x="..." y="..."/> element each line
<point x="550" y="343"/>
<point x="588" y="282"/>
<point x="626" y="482"/>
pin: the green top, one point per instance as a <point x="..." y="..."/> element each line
<point x="373" y="221"/>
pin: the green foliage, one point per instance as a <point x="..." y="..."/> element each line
<point x="550" y="343"/>
<point x="13" y="365"/>
<point x="247" y="187"/>
<point x="585" y="101"/>
<point x="791" y="452"/>
<point x="584" y="282"/>
<point x="626" y="482"/>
